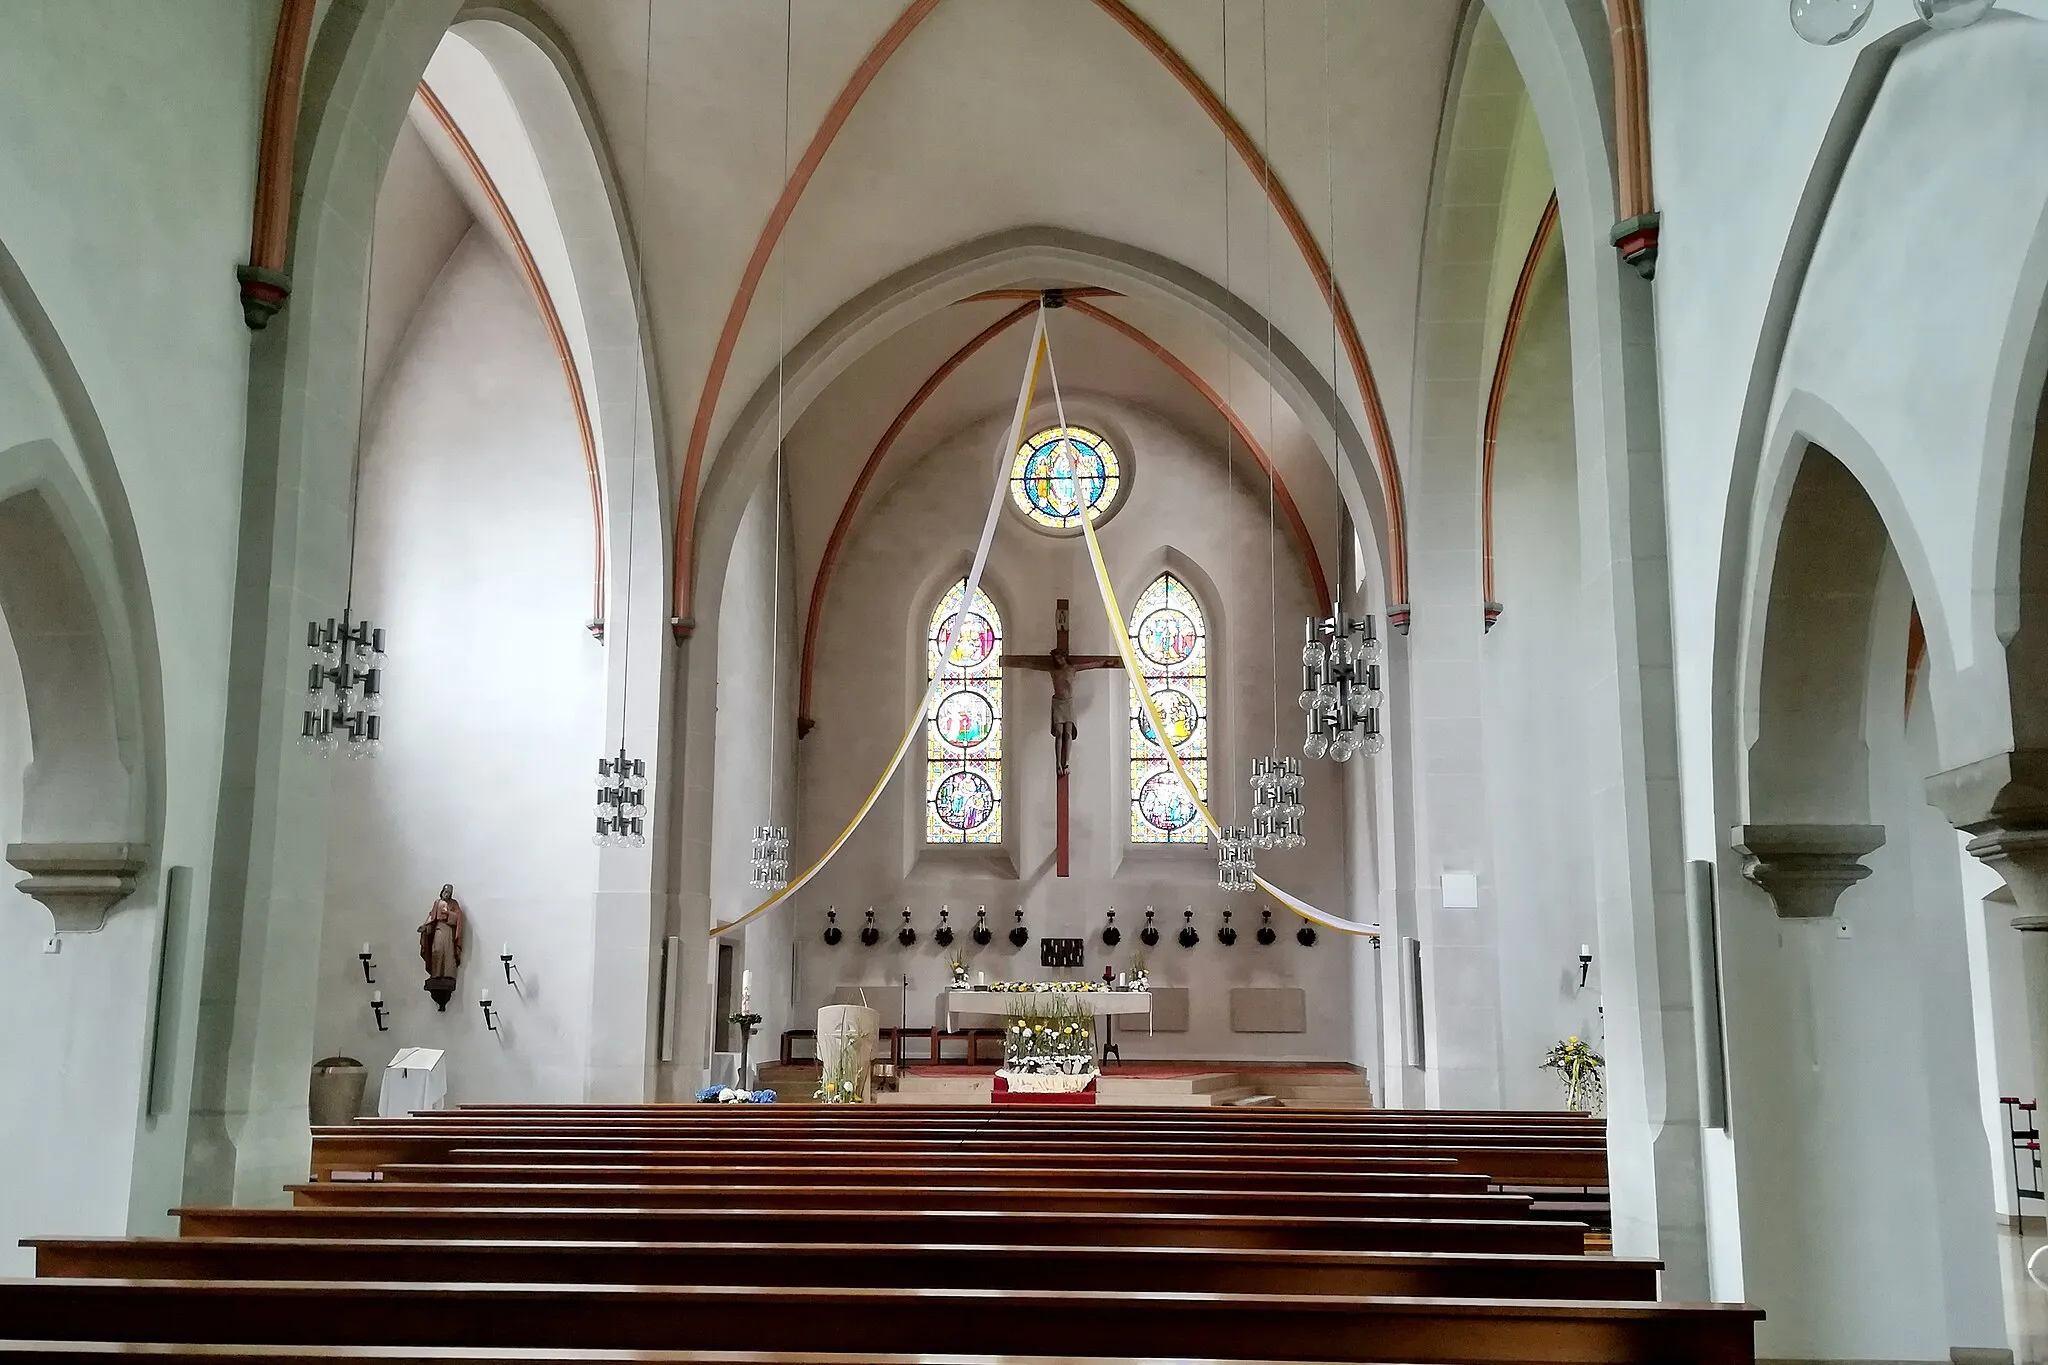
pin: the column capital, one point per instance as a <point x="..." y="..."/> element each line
<point x="2007" y="790"/>
<point x="1804" y="869"/>
<point x="78" y="883"/>
<point x="2019" y="854"/>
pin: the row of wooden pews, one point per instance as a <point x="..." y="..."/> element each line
<point x="800" y="1233"/>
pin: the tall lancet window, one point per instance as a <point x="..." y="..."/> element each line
<point x="963" y="770"/>
<point x="1171" y="640"/>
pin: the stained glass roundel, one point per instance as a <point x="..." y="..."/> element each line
<point x="965" y="719"/>
<point x="964" y="801"/>
<point x="1063" y="470"/>
<point x="1167" y="637"/>
<point x="1164" y="805"/>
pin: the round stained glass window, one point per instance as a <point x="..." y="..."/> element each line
<point x="977" y="641"/>
<point x="964" y="800"/>
<point x="1168" y="637"/>
<point x="1177" y="710"/>
<point x="1164" y="803"/>
<point x="965" y="719"/>
<point x="1062" y="471"/>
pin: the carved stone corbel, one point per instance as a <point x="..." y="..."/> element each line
<point x="1804" y="869"/>
<point x="2003" y="802"/>
<point x="78" y="883"/>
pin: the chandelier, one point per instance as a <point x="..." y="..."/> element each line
<point x="771" y="857"/>
<point x="1276" y="802"/>
<point x="621" y="802"/>
<point x="344" y="687"/>
<point x="1340" y="687"/>
<point x="1235" y="866"/>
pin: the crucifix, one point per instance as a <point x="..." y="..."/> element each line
<point x="1062" y="665"/>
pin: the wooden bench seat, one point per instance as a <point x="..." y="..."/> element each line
<point x="857" y="1264"/>
<point x="678" y="1192"/>
<point x="776" y="1318"/>
<point x="918" y="1174"/>
<point x="1025" y="1226"/>
<point x="365" y="1148"/>
<point x="201" y="1353"/>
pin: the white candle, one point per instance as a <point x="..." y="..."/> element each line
<point x="376" y="997"/>
<point x="505" y="951"/>
<point x="366" y="950"/>
<point x="1585" y="950"/>
<point x="746" y="992"/>
<point x="484" y="997"/>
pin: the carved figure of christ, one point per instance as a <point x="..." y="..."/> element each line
<point x="1062" y="665"/>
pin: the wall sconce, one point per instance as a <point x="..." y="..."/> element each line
<point x="1585" y="963"/>
<point x="490" y="1015"/>
<point x="505" y="956"/>
<point x="377" y="1008"/>
<point x="369" y="966"/>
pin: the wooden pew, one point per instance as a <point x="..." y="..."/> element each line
<point x="366" y="1147"/>
<point x="678" y="1192"/>
<point x="915" y="1174"/>
<point x="1420" y="1331"/>
<point x="857" y="1265"/>
<point x="1036" y="1227"/>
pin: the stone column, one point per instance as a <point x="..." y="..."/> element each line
<point x="1804" y="869"/>
<point x="2034" y="962"/>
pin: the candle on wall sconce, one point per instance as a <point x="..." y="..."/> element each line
<point x="377" y="1008"/>
<point x="505" y="956"/>
<point x="369" y="966"/>
<point x="1585" y="963"/>
<point x="483" y="999"/>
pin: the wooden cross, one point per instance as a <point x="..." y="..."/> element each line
<point x="1062" y="666"/>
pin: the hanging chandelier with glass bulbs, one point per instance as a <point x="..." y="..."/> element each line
<point x="621" y="802"/>
<point x="1340" y="687"/>
<point x="1236" y="866"/>
<point x="1276" y="802"/>
<point x="344" y="687"/>
<point x="771" y="857"/>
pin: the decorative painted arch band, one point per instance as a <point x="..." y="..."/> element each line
<point x="1511" y="333"/>
<point x="1077" y="300"/>
<point x="799" y="180"/>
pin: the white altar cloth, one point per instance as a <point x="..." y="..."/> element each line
<point x="1009" y="1004"/>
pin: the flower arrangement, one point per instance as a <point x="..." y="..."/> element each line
<point x="1053" y="1043"/>
<point x="1578" y="1068"/>
<point x="959" y="974"/>
<point x="1053" y="987"/>
<point x="725" y="1094"/>
<point x="841" y="1081"/>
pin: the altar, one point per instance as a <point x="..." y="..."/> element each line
<point x="985" y="1002"/>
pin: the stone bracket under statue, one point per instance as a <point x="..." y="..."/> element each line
<point x="1805" y="868"/>
<point x="78" y="883"/>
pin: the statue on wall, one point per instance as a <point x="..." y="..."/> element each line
<point x="441" y="945"/>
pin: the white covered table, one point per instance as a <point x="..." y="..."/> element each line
<point x="1013" y="1004"/>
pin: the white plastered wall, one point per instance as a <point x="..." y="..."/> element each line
<point x="1535" y="747"/>
<point x="1183" y="513"/>
<point x="473" y="554"/>
<point x="756" y="757"/>
<point x="155" y="356"/>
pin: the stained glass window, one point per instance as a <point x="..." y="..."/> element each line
<point x="963" y="771"/>
<point x="1062" y="470"/>
<point x="1171" y="640"/>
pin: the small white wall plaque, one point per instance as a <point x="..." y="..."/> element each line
<point x="1461" y="891"/>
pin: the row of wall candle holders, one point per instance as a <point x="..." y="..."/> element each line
<point x="1019" y="935"/>
<point x="379" y="1009"/>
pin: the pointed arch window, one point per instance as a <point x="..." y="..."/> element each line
<point x="963" y="771"/>
<point x="1170" y="636"/>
